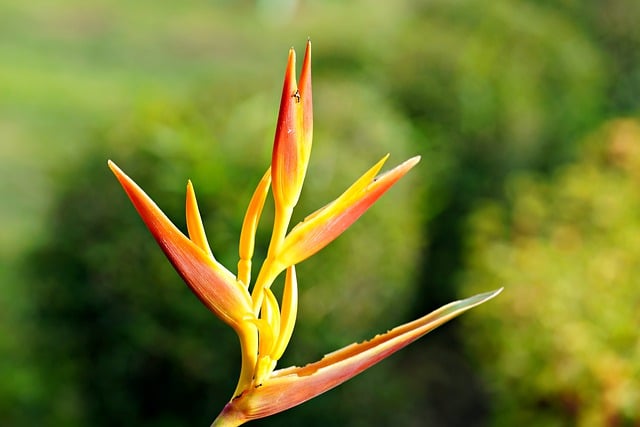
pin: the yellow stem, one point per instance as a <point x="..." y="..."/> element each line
<point x="271" y="267"/>
<point x="280" y="226"/>
<point x="248" y="335"/>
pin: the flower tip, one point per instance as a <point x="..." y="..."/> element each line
<point x="291" y="61"/>
<point x="305" y="90"/>
<point x="481" y="298"/>
<point x="413" y="161"/>
<point x="290" y="84"/>
<point x="407" y="164"/>
<point x="122" y="177"/>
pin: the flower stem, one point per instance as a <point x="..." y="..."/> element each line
<point x="248" y="336"/>
<point x="229" y="417"/>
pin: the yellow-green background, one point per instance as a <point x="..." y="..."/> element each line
<point x="523" y="113"/>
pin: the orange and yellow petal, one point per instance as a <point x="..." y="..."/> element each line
<point x="249" y="227"/>
<point x="289" y="387"/>
<point x="213" y="284"/>
<point x="289" y="312"/>
<point x="194" y="221"/>
<point x="323" y="226"/>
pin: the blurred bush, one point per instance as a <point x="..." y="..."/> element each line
<point x="492" y="89"/>
<point x="561" y="346"/>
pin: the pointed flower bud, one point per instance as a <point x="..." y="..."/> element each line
<point x="294" y="130"/>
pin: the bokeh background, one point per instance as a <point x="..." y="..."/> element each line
<point x="525" y="114"/>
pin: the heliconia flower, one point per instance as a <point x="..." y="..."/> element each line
<point x="264" y="325"/>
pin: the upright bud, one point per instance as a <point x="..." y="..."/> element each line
<point x="294" y="130"/>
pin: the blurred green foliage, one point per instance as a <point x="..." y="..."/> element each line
<point x="96" y="328"/>
<point x="567" y="249"/>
